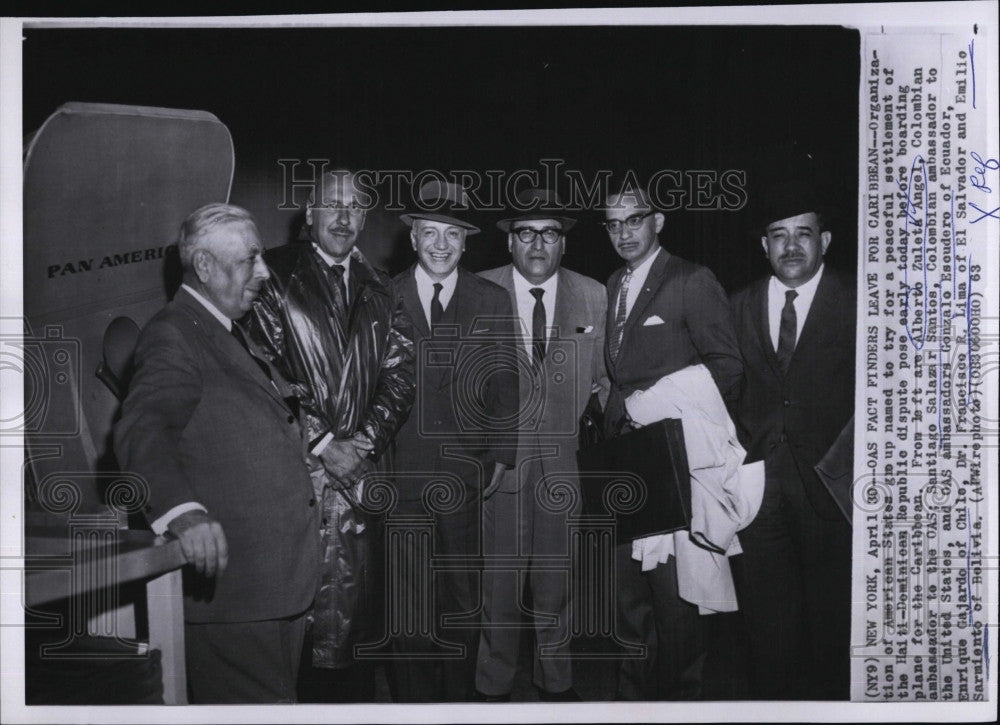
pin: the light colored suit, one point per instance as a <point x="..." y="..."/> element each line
<point x="526" y="517"/>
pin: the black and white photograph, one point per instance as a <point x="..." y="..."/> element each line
<point x="564" y="359"/>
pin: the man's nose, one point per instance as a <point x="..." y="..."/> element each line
<point x="538" y="244"/>
<point x="625" y="232"/>
<point x="343" y="217"/>
<point x="260" y="269"/>
<point x="440" y="242"/>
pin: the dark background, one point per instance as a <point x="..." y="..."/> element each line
<point x="760" y="99"/>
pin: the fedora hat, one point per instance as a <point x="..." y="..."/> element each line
<point x="788" y="198"/>
<point x="441" y="202"/>
<point x="539" y="204"/>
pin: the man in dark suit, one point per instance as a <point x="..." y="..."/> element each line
<point x="664" y="314"/>
<point x="561" y="315"/>
<point x="329" y="321"/>
<point x="796" y="334"/>
<point x="458" y="441"/>
<point x="208" y="426"/>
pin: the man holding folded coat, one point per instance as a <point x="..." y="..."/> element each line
<point x="664" y="314"/>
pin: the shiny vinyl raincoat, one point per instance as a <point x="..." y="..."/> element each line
<point x="352" y="372"/>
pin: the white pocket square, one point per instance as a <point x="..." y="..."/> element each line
<point x="585" y="330"/>
<point x="653" y="320"/>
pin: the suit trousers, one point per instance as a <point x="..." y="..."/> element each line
<point x="434" y="658"/>
<point x="516" y="525"/>
<point x="794" y="580"/>
<point x="244" y="662"/>
<point x="651" y="613"/>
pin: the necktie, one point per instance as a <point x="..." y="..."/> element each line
<point x="337" y="277"/>
<point x="437" y="311"/>
<point x="240" y="338"/>
<point x="538" y="326"/>
<point x="620" y="317"/>
<point x="786" y="332"/>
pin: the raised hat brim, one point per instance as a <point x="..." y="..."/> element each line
<point x="408" y="220"/>
<point x="504" y="224"/>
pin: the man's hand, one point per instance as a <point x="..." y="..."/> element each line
<point x="202" y="541"/>
<point x="498" y="471"/>
<point x="345" y="462"/>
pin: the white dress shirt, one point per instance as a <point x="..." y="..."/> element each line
<point x="776" y="301"/>
<point x="638" y="281"/>
<point x="345" y="263"/>
<point x="526" y="305"/>
<point x="425" y="290"/>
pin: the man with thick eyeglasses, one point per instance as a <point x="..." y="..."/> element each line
<point x="664" y="314"/>
<point x="561" y="315"/>
<point x="328" y="320"/>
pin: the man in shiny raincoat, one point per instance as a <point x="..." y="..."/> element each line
<point x="328" y="320"/>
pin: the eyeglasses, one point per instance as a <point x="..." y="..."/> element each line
<point x="527" y="235"/>
<point x="633" y="222"/>
<point x="353" y="208"/>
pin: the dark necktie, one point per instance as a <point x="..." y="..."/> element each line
<point x="538" y="326"/>
<point x="336" y="275"/>
<point x="437" y="311"/>
<point x="614" y="344"/>
<point x="786" y="332"/>
<point x="241" y="338"/>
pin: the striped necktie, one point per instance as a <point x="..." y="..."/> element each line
<point x="620" y="317"/>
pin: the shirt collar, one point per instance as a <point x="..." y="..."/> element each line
<point x="524" y="287"/>
<point x="225" y="321"/>
<point x="643" y="269"/>
<point x="330" y="261"/>
<point x="806" y="291"/>
<point x="424" y="280"/>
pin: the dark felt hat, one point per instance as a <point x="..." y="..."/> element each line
<point x="787" y="198"/>
<point x="538" y="204"/>
<point x="441" y="202"/>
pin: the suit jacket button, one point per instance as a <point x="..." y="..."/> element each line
<point x="312" y="502"/>
<point x="782" y="438"/>
<point x="291" y="419"/>
<point x="787" y="403"/>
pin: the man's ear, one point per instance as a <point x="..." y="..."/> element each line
<point x="309" y="216"/>
<point x="413" y="238"/>
<point x="202" y="262"/>
<point x="825" y="238"/>
<point x="510" y="242"/>
<point x="763" y="243"/>
<point x="658" y="220"/>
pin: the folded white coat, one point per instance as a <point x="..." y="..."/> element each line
<point x="725" y="495"/>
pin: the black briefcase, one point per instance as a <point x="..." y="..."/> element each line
<point x="641" y="479"/>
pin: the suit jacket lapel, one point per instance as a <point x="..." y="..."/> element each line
<point x="562" y="317"/>
<point x="230" y="351"/>
<point x="654" y="279"/>
<point x="411" y="303"/>
<point x="822" y="310"/>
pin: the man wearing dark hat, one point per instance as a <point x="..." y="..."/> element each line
<point x="561" y="315"/>
<point x="457" y="443"/>
<point x="796" y="334"/>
